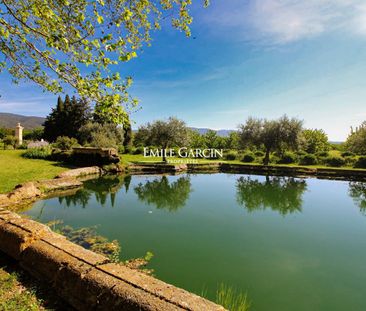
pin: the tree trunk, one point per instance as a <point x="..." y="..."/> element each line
<point x="266" y="158"/>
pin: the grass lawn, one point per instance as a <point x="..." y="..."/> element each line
<point x="15" y="170"/>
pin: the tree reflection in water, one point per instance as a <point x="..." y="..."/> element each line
<point x="101" y="187"/>
<point x="165" y="195"/>
<point x="357" y="191"/>
<point x="282" y="194"/>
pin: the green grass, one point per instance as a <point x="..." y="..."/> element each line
<point x="15" y="170"/>
<point x="15" y="297"/>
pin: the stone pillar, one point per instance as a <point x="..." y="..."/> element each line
<point x="19" y="133"/>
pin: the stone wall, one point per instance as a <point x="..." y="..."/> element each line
<point x="88" y="281"/>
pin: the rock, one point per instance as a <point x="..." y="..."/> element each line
<point x="80" y="172"/>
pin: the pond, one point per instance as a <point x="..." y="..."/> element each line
<point x="289" y="243"/>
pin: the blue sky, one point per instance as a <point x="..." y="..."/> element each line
<point x="258" y="58"/>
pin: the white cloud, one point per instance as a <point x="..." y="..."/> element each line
<point x="283" y="21"/>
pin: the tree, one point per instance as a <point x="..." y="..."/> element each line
<point x="170" y="133"/>
<point x="6" y="132"/>
<point x="282" y="194"/>
<point x="357" y="191"/>
<point x="165" y="195"/>
<point x="51" y="43"/>
<point x="212" y="140"/>
<point x="127" y="138"/>
<point x="35" y="134"/>
<point x="67" y="118"/>
<point x="196" y="139"/>
<point x="314" y="140"/>
<point x="271" y="134"/>
<point x="232" y="141"/>
<point x="356" y="140"/>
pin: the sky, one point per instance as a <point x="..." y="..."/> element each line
<point x="260" y="58"/>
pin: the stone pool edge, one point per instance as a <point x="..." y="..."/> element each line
<point x="85" y="279"/>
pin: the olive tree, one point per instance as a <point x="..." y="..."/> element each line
<point x="59" y="44"/>
<point x="163" y="134"/>
<point x="271" y="134"/>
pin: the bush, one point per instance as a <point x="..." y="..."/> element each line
<point x="231" y="155"/>
<point x="287" y="158"/>
<point x="9" y="140"/>
<point x="138" y="150"/>
<point x="334" y="161"/>
<point x="322" y="154"/>
<point x="37" y="153"/>
<point x="273" y="158"/>
<point x="347" y="154"/>
<point x="101" y="136"/>
<point x="361" y="162"/>
<point x="65" y="143"/>
<point x="259" y="153"/>
<point x="248" y="157"/>
<point x="350" y="161"/>
<point x="308" y="159"/>
<point x="37" y="144"/>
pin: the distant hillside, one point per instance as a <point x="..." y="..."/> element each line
<point x="10" y="120"/>
<point x="203" y="131"/>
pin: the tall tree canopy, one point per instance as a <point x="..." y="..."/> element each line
<point x="271" y="134"/>
<point x="170" y="133"/>
<point x="67" y="118"/>
<point x="62" y="43"/>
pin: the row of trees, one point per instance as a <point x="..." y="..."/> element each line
<point x="257" y="135"/>
<point x="74" y="118"/>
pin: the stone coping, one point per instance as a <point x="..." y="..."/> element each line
<point x="88" y="281"/>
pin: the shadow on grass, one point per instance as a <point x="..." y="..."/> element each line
<point x="20" y="291"/>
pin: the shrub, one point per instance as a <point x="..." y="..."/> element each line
<point x="287" y="158"/>
<point x="9" y="140"/>
<point x="334" y="161"/>
<point x="308" y="159"/>
<point x="138" y="150"/>
<point x="98" y="135"/>
<point x="248" y="157"/>
<point x="259" y="153"/>
<point x="361" y="162"/>
<point x="347" y="154"/>
<point x="37" y="153"/>
<point x="38" y="144"/>
<point x="274" y="158"/>
<point x="322" y="154"/>
<point x="231" y="155"/>
<point x="65" y="143"/>
<point x="350" y="161"/>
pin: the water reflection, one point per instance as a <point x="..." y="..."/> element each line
<point x="282" y="194"/>
<point x="102" y="188"/>
<point x="357" y="191"/>
<point x="165" y="195"/>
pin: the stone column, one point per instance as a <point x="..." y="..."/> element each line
<point x="19" y="133"/>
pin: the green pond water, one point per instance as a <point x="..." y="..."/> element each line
<point x="289" y="243"/>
